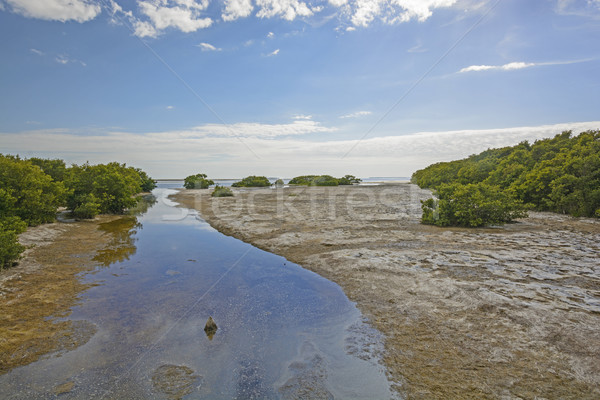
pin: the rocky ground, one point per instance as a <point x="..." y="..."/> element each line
<point x="503" y="312"/>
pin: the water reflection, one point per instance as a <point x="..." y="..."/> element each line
<point x="283" y="332"/>
<point x="122" y="244"/>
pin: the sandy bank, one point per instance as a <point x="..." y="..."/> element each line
<point x="509" y="312"/>
<point x="43" y="288"/>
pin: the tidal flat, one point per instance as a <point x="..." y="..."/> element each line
<point x="502" y="312"/>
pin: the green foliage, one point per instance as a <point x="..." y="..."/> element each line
<point x="10" y="248"/>
<point x="316" y="180"/>
<point x="471" y="205"/>
<point x="55" y="168"/>
<point x="198" y="181"/>
<point x="561" y="174"/>
<point x="349" y="180"/>
<point x="221" y="191"/>
<point x="88" y="208"/>
<point x="146" y="183"/>
<point x="27" y="192"/>
<point x="325" y="180"/>
<point x="253" y="181"/>
<point x="303" y="180"/>
<point x="109" y="188"/>
<point x="279" y="183"/>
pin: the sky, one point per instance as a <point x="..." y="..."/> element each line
<point x="283" y="88"/>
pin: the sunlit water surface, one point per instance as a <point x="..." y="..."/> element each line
<point x="283" y="332"/>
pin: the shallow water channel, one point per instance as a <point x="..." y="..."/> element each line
<point x="283" y="332"/>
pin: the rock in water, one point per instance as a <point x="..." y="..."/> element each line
<point x="210" y="328"/>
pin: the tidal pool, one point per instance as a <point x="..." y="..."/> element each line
<point x="283" y="332"/>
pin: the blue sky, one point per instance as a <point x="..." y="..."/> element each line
<point x="289" y="87"/>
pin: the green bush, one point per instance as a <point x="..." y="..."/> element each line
<point x="349" y="180"/>
<point x="27" y="192"/>
<point x="314" y="180"/>
<point x="471" y="205"/>
<point x="303" y="180"/>
<point x="10" y="248"/>
<point x="198" y="181"/>
<point x="325" y="180"/>
<point x="221" y="191"/>
<point x="112" y="187"/>
<point x="279" y="183"/>
<point x="253" y="181"/>
<point x="88" y="207"/>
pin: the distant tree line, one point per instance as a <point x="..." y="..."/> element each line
<point x="31" y="191"/>
<point x="201" y="181"/>
<point x="561" y="175"/>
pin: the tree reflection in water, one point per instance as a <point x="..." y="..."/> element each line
<point x="123" y="230"/>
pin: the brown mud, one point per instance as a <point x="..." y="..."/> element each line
<point x="40" y="291"/>
<point x="502" y="312"/>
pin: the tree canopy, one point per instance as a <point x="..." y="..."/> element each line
<point x="32" y="190"/>
<point x="324" y="180"/>
<point x="561" y="174"/>
<point x="198" y="181"/>
<point x="252" y="181"/>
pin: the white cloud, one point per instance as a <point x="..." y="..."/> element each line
<point x="357" y="114"/>
<point x="36" y="51"/>
<point x="235" y="9"/>
<point x="302" y="116"/>
<point x="251" y="129"/>
<point x="586" y="9"/>
<point x="56" y="10"/>
<point x="207" y="47"/>
<point x="179" y="153"/>
<point x="65" y="59"/>
<point x="170" y="107"/>
<point x="273" y="53"/>
<point x="338" y="3"/>
<point x="506" y="67"/>
<point x="286" y="9"/>
<point x="184" y="15"/>
<point x="394" y="11"/>
<point x="270" y="35"/>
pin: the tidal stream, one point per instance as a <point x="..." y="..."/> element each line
<point x="283" y="332"/>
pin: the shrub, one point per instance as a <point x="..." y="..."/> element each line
<point x="88" y="207"/>
<point x="221" y="191"/>
<point x="10" y="248"/>
<point x="112" y="186"/>
<point x="325" y="180"/>
<point x="303" y="180"/>
<point x="27" y="192"/>
<point x="253" y="181"/>
<point x="314" y="180"/>
<point x="279" y="183"/>
<point x="349" y="180"/>
<point x="471" y="205"/>
<point x="198" y="181"/>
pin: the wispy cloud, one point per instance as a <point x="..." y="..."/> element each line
<point x="519" y="65"/>
<point x="170" y="107"/>
<point x="273" y="53"/>
<point x="207" y="47"/>
<point x="36" y="51"/>
<point x="356" y="114"/>
<point x="270" y="35"/>
<point x="506" y="67"/>
<point x="65" y="59"/>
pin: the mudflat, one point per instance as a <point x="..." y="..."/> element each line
<point x="36" y="294"/>
<point x="500" y="312"/>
